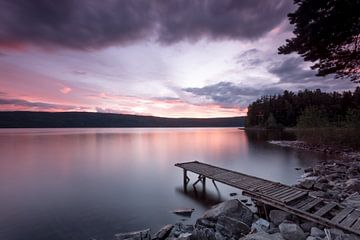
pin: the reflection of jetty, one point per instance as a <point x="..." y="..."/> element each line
<point x="289" y="199"/>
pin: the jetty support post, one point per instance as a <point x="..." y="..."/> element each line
<point x="186" y="180"/>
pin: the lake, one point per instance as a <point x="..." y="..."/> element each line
<point x="93" y="183"/>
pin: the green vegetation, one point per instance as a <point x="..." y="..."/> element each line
<point x="306" y="109"/>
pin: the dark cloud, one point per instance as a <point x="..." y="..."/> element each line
<point x="228" y="94"/>
<point x="90" y="24"/>
<point x="291" y="70"/>
<point x="37" y="105"/>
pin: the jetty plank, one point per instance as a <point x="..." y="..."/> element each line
<point x="291" y="199"/>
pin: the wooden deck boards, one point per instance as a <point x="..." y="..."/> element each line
<point x="293" y="200"/>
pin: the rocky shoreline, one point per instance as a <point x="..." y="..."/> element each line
<point x="232" y="220"/>
<point x="336" y="180"/>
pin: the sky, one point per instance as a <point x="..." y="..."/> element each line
<point x="168" y="58"/>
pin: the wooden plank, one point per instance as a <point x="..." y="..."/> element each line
<point x="325" y="209"/>
<point x="311" y="204"/>
<point x="273" y="190"/>
<point x="291" y="198"/>
<point x="302" y="203"/>
<point x="288" y="194"/>
<point x="350" y="219"/>
<point x="342" y="214"/>
<point x="284" y="193"/>
<point x="356" y="225"/>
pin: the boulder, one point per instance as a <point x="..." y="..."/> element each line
<point x="278" y="216"/>
<point x="231" y="227"/>
<point x="260" y="225"/>
<point x="180" y="228"/>
<point x="137" y="235"/>
<point x="163" y="232"/>
<point x="232" y="208"/>
<point x="306" y="226"/>
<point x="316" y="232"/>
<point x="307" y="183"/>
<point x="204" y="234"/>
<point x="353" y="185"/>
<point x="291" y="231"/>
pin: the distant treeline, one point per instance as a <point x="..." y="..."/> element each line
<point x="306" y="109"/>
<point x="21" y="119"/>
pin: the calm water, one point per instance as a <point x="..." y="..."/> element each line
<point x="92" y="183"/>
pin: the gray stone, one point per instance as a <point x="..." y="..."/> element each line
<point x="321" y="186"/>
<point x="180" y="228"/>
<point x="137" y="235"/>
<point x="163" y="232"/>
<point x="306" y="226"/>
<point x="203" y="222"/>
<point x="291" y="231"/>
<point x="307" y="184"/>
<point x="333" y="233"/>
<point x="316" y="232"/>
<point x="313" y="238"/>
<point x="260" y="225"/>
<point x="184" y="236"/>
<point x="231" y="227"/>
<point x="204" y="234"/>
<point x="353" y="185"/>
<point x="278" y="216"/>
<point x="184" y="211"/>
<point x="232" y="208"/>
<point x="262" y="236"/>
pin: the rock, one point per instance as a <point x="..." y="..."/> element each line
<point x="232" y="208"/>
<point x="205" y="223"/>
<point x="231" y="227"/>
<point x="180" y="228"/>
<point x="184" y="211"/>
<point x="263" y="236"/>
<point x="278" y="216"/>
<point x="260" y="225"/>
<point x="353" y="184"/>
<point x="353" y="200"/>
<point x="309" y="169"/>
<point x="233" y="194"/>
<point x="321" y="186"/>
<point x="313" y="238"/>
<point x="333" y="233"/>
<point x="137" y="235"/>
<point x="205" y="234"/>
<point x="318" y="194"/>
<point x="306" y="226"/>
<point x="298" y="168"/>
<point x="244" y="200"/>
<point x="307" y="184"/>
<point x="185" y="236"/>
<point x="291" y="231"/>
<point x="163" y="232"/>
<point x="316" y="232"/>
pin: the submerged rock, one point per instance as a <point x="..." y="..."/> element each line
<point x="184" y="211"/>
<point x="137" y="235"/>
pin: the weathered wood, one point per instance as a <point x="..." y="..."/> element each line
<point x="290" y="199"/>
<point x="342" y="214"/>
<point x="311" y="204"/>
<point x="325" y="209"/>
<point x="350" y="219"/>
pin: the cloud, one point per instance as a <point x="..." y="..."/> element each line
<point x="92" y="24"/>
<point x="228" y="94"/>
<point x="65" y="90"/>
<point x="18" y="103"/>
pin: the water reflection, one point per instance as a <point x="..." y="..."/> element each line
<point x="92" y="183"/>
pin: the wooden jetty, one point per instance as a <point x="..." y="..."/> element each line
<point x="290" y="199"/>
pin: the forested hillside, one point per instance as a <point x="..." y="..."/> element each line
<point x="306" y="109"/>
